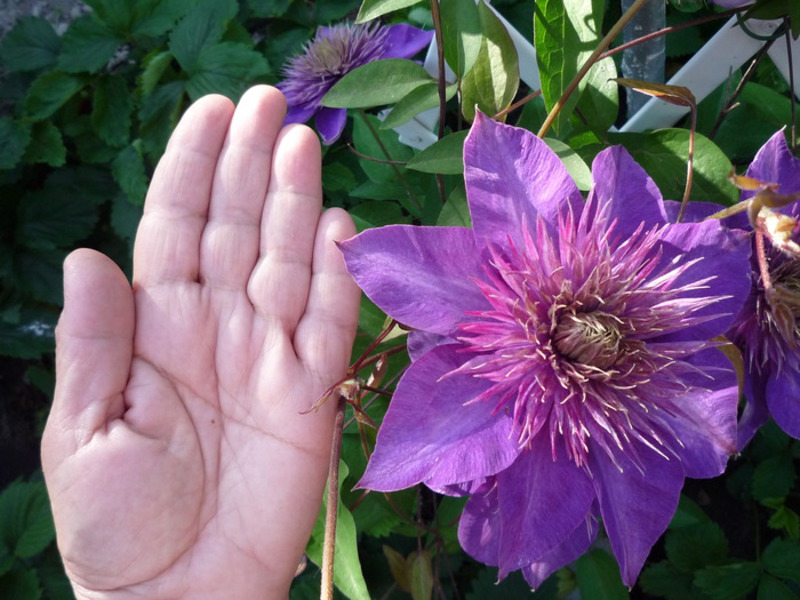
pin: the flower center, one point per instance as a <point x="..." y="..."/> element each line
<point x="784" y="300"/>
<point x="590" y="338"/>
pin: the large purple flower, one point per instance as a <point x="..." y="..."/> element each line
<point x="767" y="330"/>
<point x="332" y="54"/>
<point x="562" y="370"/>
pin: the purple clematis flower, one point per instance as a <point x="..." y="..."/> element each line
<point x="332" y="54"/>
<point x="561" y="370"/>
<point x="768" y="330"/>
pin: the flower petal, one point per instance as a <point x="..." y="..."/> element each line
<point x="636" y="198"/>
<point x="783" y="399"/>
<point x="756" y="412"/>
<point x="569" y="550"/>
<point x="432" y="434"/>
<point x="725" y="256"/>
<point x="541" y="501"/>
<point x="404" y="41"/>
<point x="694" y="213"/>
<point x="775" y="163"/>
<point x="480" y="526"/>
<point x="707" y="427"/>
<point x="512" y="178"/>
<point x="417" y="275"/>
<point x="330" y="123"/>
<point x="636" y="507"/>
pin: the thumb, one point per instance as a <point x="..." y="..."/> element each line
<point x="94" y="347"/>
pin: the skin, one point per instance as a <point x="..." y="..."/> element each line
<point x="177" y="456"/>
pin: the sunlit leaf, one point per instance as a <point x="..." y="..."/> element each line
<point x="445" y="156"/>
<point x="371" y="9"/>
<point x="461" y="34"/>
<point x="377" y="83"/>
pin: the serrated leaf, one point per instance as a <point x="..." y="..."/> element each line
<point x="417" y="100"/>
<point x="204" y="25"/>
<point x="376" y="83"/>
<point x="268" y="8"/>
<point x="565" y="34"/>
<point x="455" y="212"/>
<point x="152" y="18"/>
<point x="728" y="582"/>
<point x="663" y="580"/>
<point x="663" y="155"/>
<point x="599" y="578"/>
<point x="30" y="45"/>
<point x="770" y="588"/>
<point x="159" y="113"/>
<point x="372" y="9"/>
<point x="693" y="547"/>
<point x="153" y="67"/>
<point x="14" y="138"/>
<point x="46" y="146"/>
<point x="87" y="46"/>
<point x="782" y="559"/>
<point x="493" y="80"/>
<point x="773" y="477"/>
<point x="111" y="110"/>
<point x="347" y="574"/>
<point x="787" y="519"/>
<point x="227" y="68"/>
<point x="130" y="174"/>
<point x="461" y="34"/>
<point x="27" y="525"/>
<point x="48" y="219"/>
<point x="445" y="156"/>
<point x="49" y="92"/>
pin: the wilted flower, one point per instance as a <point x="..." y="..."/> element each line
<point x="562" y="370"/>
<point x="334" y="52"/>
<point x="767" y="329"/>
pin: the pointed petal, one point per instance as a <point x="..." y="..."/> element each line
<point x="512" y="178"/>
<point x="636" y="508"/>
<point x="420" y="276"/>
<point x="330" y="123"/>
<point x="420" y="342"/>
<point x="783" y="399"/>
<point x="775" y="163"/>
<point x="541" y="502"/>
<point x="755" y="413"/>
<point x="299" y="114"/>
<point x="569" y="550"/>
<point x="707" y="427"/>
<point x="431" y="434"/>
<point x="636" y="198"/>
<point x="725" y="256"/>
<point x="404" y="41"/>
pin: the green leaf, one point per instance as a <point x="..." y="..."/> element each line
<point x="371" y="9"/>
<point x="26" y="333"/>
<point x="49" y="92"/>
<point x="787" y="519"/>
<point x="377" y="213"/>
<point x="599" y="100"/>
<point x="776" y="9"/>
<point x="48" y="219"/>
<point x="770" y="588"/>
<point x="87" y="46"/>
<point x="265" y="9"/>
<point x="14" y="138"/>
<point x="493" y="81"/>
<point x="204" y="25"/>
<point x="782" y="559"/>
<point x="575" y="165"/>
<point x="421" y="575"/>
<point x="130" y="174"/>
<point x="27" y="525"/>
<point x="461" y="34"/>
<point x="46" y="145"/>
<point x="693" y="547"/>
<point x="153" y="67"/>
<point x="32" y="44"/>
<point x="455" y="212"/>
<point x="377" y="83"/>
<point x="227" y="68"/>
<point x="347" y="574"/>
<point x="111" y="110"/>
<point x="386" y="147"/>
<point x="663" y="155"/>
<point x="159" y="113"/>
<point x="565" y="34"/>
<point x="599" y="578"/>
<point x="20" y="583"/>
<point x="417" y="100"/>
<point x="445" y="156"/>
<point x="663" y="580"/>
<point x="773" y="477"/>
<point x="728" y="582"/>
<point x="152" y="18"/>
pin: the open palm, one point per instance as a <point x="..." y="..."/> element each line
<point x="179" y="456"/>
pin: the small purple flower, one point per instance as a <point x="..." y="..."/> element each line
<point x="334" y="52"/>
<point x="561" y="370"/>
<point x="771" y="345"/>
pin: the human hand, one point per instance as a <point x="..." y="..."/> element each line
<point x="178" y="458"/>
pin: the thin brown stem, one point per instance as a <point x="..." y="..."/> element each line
<point x="442" y="85"/>
<point x="332" y="508"/>
<point x="787" y="35"/>
<point x="517" y="104"/>
<point x="601" y="47"/>
<point x="689" y="166"/>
